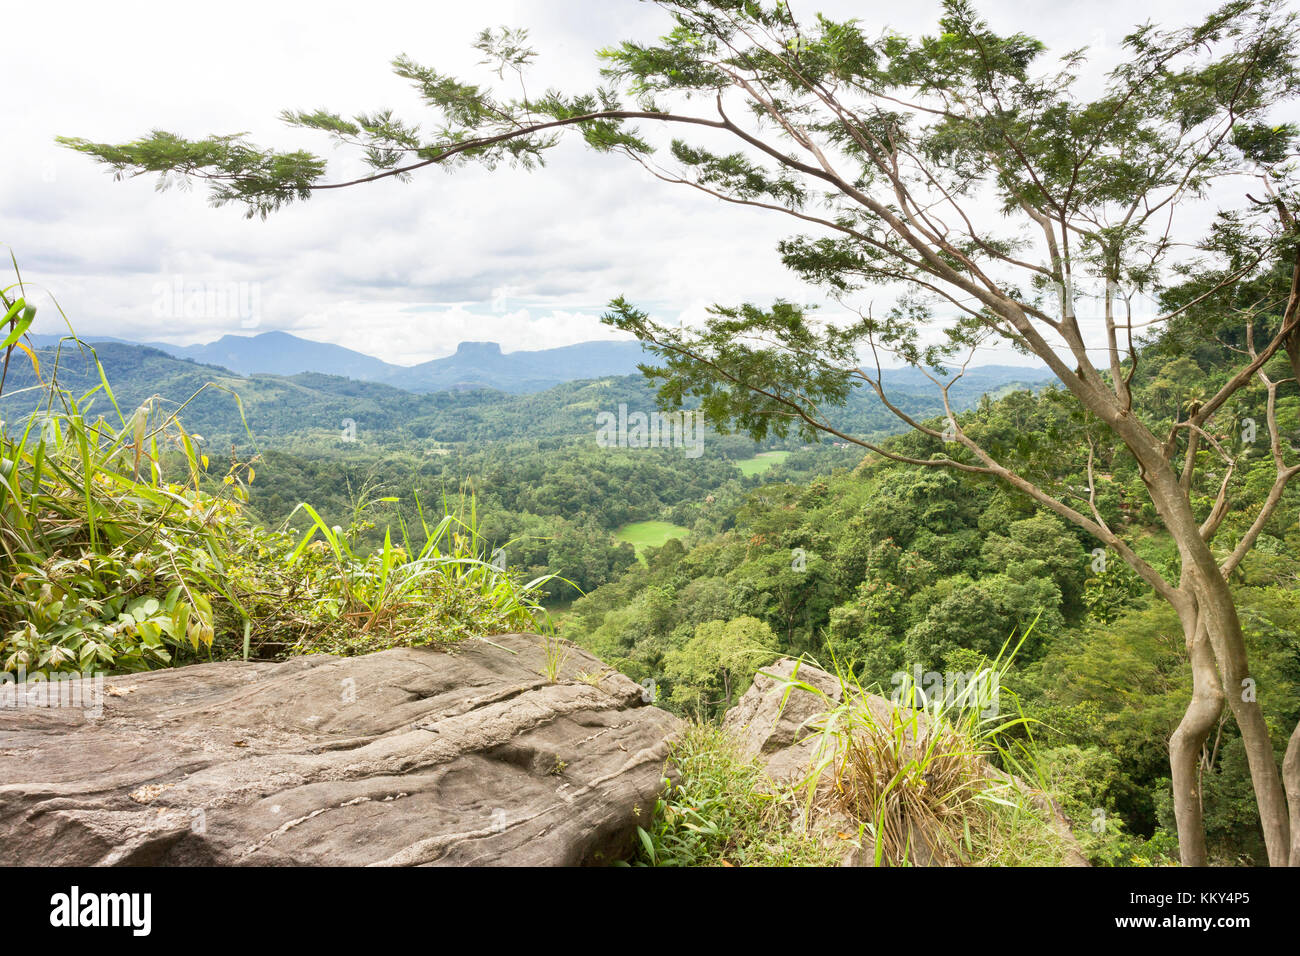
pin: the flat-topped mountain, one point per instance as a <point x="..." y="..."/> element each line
<point x="484" y="364"/>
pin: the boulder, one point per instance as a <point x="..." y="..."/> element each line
<point x="414" y="756"/>
<point x="774" y="730"/>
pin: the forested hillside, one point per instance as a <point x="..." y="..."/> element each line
<point x="888" y="569"/>
<point x="548" y="495"/>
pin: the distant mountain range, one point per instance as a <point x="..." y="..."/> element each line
<point x="479" y="365"/>
<point x="316" y="406"/>
<point x="475" y="364"/>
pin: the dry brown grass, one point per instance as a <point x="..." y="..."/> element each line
<point x="916" y="791"/>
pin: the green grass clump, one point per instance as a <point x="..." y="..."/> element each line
<point x="324" y="594"/>
<point x="721" y="814"/>
<point x="922" y="781"/>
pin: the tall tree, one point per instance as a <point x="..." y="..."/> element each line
<point x="964" y="172"/>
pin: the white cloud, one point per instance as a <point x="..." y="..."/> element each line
<point x="403" y="272"/>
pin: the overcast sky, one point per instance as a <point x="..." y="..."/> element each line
<point x="403" y="272"/>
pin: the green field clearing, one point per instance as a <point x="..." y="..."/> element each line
<point x="649" y="534"/>
<point x="761" y="462"/>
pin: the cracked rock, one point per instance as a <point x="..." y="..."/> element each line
<point x="411" y="756"/>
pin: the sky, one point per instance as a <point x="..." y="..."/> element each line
<point x="400" y="271"/>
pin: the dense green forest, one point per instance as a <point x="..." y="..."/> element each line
<point x="549" y="497"/>
<point x="886" y="567"/>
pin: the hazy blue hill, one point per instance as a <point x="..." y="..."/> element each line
<point x="982" y="377"/>
<point x="279" y="353"/>
<point x="270" y="353"/>
<point x="483" y="365"/>
<point x="314" y="407"/>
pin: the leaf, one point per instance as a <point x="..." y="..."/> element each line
<point x="36" y="363"/>
<point x="647" y="843"/>
<point x="150" y="633"/>
<point x="23" y="323"/>
<point x="180" y="621"/>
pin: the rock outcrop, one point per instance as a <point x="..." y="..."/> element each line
<point x="773" y="727"/>
<point x="406" y="757"/>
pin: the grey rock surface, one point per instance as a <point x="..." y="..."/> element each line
<point x="774" y="729"/>
<point x="411" y="756"/>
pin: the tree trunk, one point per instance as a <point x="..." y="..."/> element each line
<point x="1188" y="740"/>
<point x="1217" y="612"/>
<point x="1291" y="777"/>
<point x="1220" y="613"/>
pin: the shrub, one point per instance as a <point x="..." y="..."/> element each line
<point x="103" y="563"/>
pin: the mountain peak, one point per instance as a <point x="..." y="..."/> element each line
<point x="473" y="349"/>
